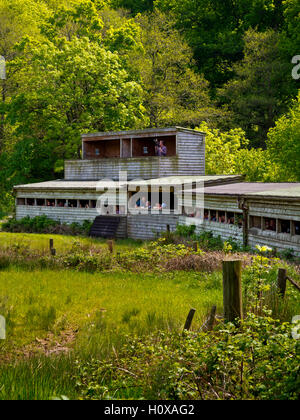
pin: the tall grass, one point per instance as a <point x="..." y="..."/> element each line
<point x="99" y="308"/>
<point x="40" y="242"/>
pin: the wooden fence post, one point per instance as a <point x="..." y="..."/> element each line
<point x="281" y="281"/>
<point x="232" y="290"/>
<point x="189" y="320"/>
<point x="110" y="245"/>
<point x="52" y="250"/>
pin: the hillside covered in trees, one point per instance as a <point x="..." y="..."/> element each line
<point x="76" y="66"/>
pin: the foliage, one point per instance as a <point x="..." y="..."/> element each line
<point x="284" y="143"/>
<point x="42" y="224"/>
<point x="174" y="93"/>
<point x="253" y="94"/>
<point x="227" y="152"/>
<point x="86" y="89"/>
<point x="135" y="6"/>
<point x="133" y="348"/>
<point x="257" y="361"/>
<point x="215" y="30"/>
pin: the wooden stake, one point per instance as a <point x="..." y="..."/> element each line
<point x="52" y="250"/>
<point x="110" y="245"/>
<point x="212" y="318"/>
<point x="232" y="290"/>
<point x="281" y="281"/>
<point x="189" y="320"/>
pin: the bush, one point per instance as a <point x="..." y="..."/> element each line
<point x="258" y="361"/>
<point x="42" y="224"/>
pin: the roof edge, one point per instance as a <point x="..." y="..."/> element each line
<point x="141" y="131"/>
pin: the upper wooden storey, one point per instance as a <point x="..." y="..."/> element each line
<point x="105" y="155"/>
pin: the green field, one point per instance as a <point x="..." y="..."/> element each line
<point x="85" y="331"/>
<point x="55" y="317"/>
<point x="62" y="243"/>
<point x="47" y="300"/>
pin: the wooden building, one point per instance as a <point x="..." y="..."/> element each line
<point x="249" y="213"/>
<point x="253" y="214"/>
<point x="106" y="154"/>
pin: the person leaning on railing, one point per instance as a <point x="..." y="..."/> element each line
<point x="161" y="150"/>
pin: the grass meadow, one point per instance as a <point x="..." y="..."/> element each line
<point x="57" y="317"/>
<point x="61" y="320"/>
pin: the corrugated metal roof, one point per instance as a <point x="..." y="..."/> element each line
<point x="186" y="179"/>
<point x="97" y="185"/>
<point x="140" y="132"/>
<point x="288" y="190"/>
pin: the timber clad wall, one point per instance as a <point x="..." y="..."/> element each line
<point x="68" y="215"/>
<point x="263" y="208"/>
<point x="224" y="230"/>
<point x="147" y="227"/>
<point x="190" y="160"/>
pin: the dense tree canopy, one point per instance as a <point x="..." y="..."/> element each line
<point x="83" y="65"/>
<point x="284" y="143"/>
<point x="259" y="91"/>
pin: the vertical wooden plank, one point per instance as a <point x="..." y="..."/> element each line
<point x="232" y="290"/>
<point x="189" y="320"/>
<point x="281" y="281"/>
<point x="246" y="227"/>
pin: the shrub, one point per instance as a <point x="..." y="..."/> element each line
<point x="258" y="361"/>
<point x="42" y="224"/>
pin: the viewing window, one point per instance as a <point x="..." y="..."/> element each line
<point x="84" y="204"/>
<point x="297" y="228"/>
<point x="41" y="202"/>
<point x="284" y="226"/>
<point x="206" y="214"/>
<point x="150" y="146"/>
<point x="93" y="204"/>
<point x="101" y="149"/>
<point x="50" y="203"/>
<point x="128" y="148"/>
<point x="21" y="201"/>
<point x="73" y="203"/>
<point x="270" y="224"/>
<point x="61" y="203"/>
<point x="222" y="217"/>
<point x="255" y="222"/>
<point x="30" y="202"/>
<point x="213" y="216"/>
<point x="230" y="218"/>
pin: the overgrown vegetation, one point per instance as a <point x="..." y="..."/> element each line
<point x="110" y="324"/>
<point x="42" y="224"/>
<point x="258" y="360"/>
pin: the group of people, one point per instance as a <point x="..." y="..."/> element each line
<point x="143" y="203"/>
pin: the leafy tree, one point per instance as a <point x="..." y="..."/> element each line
<point x="135" y="6"/>
<point x="284" y="143"/>
<point x="174" y="92"/>
<point x="259" y="92"/>
<point x="80" y="20"/>
<point x="67" y="90"/>
<point x="291" y="27"/>
<point x="18" y="18"/>
<point x="215" y="29"/>
<point x="227" y="153"/>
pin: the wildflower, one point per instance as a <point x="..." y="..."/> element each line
<point x="263" y="249"/>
